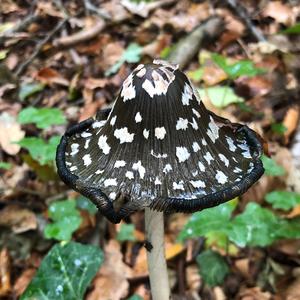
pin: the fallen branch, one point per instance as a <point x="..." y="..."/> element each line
<point x="81" y="36"/>
<point x="39" y="47"/>
<point x="244" y="17"/>
<point x="189" y="46"/>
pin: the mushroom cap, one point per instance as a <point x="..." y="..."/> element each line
<point x="158" y="147"/>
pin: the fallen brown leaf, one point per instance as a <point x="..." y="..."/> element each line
<point x="23" y="281"/>
<point x="50" y="76"/>
<point x="111" y="281"/>
<point x="290" y="121"/>
<point x="10" y="132"/>
<point x="280" y="12"/>
<point x="5" y="269"/>
<point x="18" y="219"/>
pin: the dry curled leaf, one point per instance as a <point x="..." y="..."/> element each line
<point x="5" y="268"/>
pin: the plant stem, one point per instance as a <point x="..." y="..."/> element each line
<point x="157" y="266"/>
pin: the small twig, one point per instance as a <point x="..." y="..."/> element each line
<point x="20" y="26"/>
<point x="243" y="15"/>
<point x="81" y="36"/>
<point x="92" y="8"/>
<point x="39" y="47"/>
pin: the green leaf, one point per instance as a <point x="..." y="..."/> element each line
<point x="213" y="267"/>
<point x="284" y="200"/>
<point x="254" y="227"/>
<point x="27" y="90"/>
<point x="271" y="167"/>
<point x="41" y="151"/>
<point x="65" y="273"/>
<point x="278" y="128"/>
<point x="196" y="75"/>
<point x="204" y="222"/>
<point x="289" y="229"/>
<point x="135" y="297"/>
<point x="66" y="220"/>
<point x="126" y="233"/>
<point x="220" y="96"/>
<point x="41" y="117"/>
<point x="235" y="70"/>
<point x="131" y="55"/>
<point x="295" y="29"/>
<point x="86" y="204"/>
<point x="3" y="54"/>
<point x="5" y="165"/>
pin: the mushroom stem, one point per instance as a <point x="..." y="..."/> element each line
<point x="157" y="266"/>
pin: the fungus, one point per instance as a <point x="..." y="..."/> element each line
<point x="158" y="149"/>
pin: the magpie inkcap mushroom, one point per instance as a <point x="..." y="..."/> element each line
<point x="158" y="147"/>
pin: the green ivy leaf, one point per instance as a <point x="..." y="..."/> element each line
<point x="271" y="167"/>
<point x="196" y="75"/>
<point x="65" y="273"/>
<point x="235" y="70"/>
<point x="41" y="151"/>
<point x="220" y="96"/>
<point x="295" y="29"/>
<point x="278" y="128"/>
<point x="254" y="227"/>
<point x="27" y="90"/>
<point x="204" y="222"/>
<point x="5" y="165"/>
<point x="289" y="229"/>
<point x="66" y="220"/>
<point x="126" y="233"/>
<point x="135" y="297"/>
<point x="284" y="200"/>
<point x="132" y="54"/>
<point x="213" y="267"/>
<point x="41" y="117"/>
<point x="86" y="204"/>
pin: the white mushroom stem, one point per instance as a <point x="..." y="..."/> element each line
<point x="157" y="266"/>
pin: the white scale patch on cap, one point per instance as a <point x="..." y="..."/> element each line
<point x="112" y="195"/>
<point x="141" y="73"/>
<point x="85" y="134"/>
<point x="182" y="124"/>
<point x="128" y="90"/>
<point x="198" y="183"/>
<point x="159" y="85"/>
<point x="98" y="124"/>
<point x="138" y="118"/>
<point x="224" y="159"/>
<point x="194" y="124"/>
<point x="196" y="113"/>
<point x="120" y="164"/>
<point x="99" y="172"/>
<point x="138" y="167"/>
<point x="160" y="133"/>
<point x="123" y="135"/>
<point x="246" y="150"/>
<point x="237" y="170"/>
<point x="178" y="186"/>
<point x="187" y="94"/>
<point x="232" y="146"/>
<point x="221" y="177"/>
<point x="74" y="149"/>
<point x="213" y="131"/>
<point x="201" y="166"/>
<point x="73" y="168"/>
<point x="204" y="143"/>
<point x="113" y="120"/>
<point x="165" y="64"/>
<point x="103" y="145"/>
<point x="164" y="155"/>
<point x="167" y="168"/>
<point x="196" y="147"/>
<point x="208" y="157"/>
<point x="110" y="182"/>
<point x="129" y="175"/>
<point x="182" y="154"/>
<point x="157" y="181"/>
<point x="139" y="67"/>
<point x="146" y="133"/>
<point x="195" y="173"/>
<point x="87" y="142"/>
<point x="87" y="160"/>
